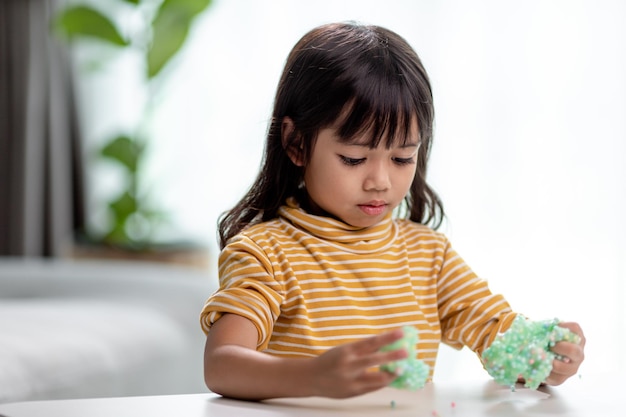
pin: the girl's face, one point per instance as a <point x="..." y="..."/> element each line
<point x="357" y="184"/>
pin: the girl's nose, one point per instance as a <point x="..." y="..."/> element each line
<point x="377" y="178"/>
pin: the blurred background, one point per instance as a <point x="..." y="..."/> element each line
<point x="529" y="152"/>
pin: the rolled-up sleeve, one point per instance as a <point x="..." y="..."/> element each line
<point x="248" y="288"/>
<point x="470" y="314"/>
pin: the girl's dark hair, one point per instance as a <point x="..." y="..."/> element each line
<point x="363" y="79"/>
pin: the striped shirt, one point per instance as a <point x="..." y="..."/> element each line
<point x="310" y="283"/>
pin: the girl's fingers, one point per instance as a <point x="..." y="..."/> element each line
<point x="570" y="352"/>
<point x="575" y="328"/>
<point x="375" y="343"/>
<point x="369" y="354"/>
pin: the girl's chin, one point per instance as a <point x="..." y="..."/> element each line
<point x="364" y="222"/>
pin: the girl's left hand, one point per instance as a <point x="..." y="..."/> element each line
<point x="572" y="355"/>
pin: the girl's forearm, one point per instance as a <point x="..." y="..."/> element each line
<point x="239" y="372"/>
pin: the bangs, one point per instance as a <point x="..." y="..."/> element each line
<point x="379" y="115"/>
<point x="384" y="101"/>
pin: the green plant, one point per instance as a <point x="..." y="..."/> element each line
<point x="163" y="29"/>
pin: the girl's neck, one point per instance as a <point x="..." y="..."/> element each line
<point x="311" y="207"/>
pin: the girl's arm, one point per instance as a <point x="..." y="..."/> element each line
<point x="234" y="368"/>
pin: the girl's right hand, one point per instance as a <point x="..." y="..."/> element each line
<point x="347" y="370"/>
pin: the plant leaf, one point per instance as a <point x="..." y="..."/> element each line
<point x="123" y="207"/>
<point x="124" y="150"/>
<point x="192" y="7"/>
<point x="79" y="21"/>
<point x="169" y="31"/>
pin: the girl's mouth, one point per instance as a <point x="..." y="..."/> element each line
<point x="374" y="209"/>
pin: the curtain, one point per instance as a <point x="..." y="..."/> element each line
<point x="40" y="174"/>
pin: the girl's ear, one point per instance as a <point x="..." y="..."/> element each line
<point x="291" y="144"/>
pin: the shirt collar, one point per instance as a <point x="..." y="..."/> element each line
<point x="355" y="239"/>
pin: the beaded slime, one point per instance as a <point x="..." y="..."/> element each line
<point x="524" y="351"/>
<point x="412" y="372"/>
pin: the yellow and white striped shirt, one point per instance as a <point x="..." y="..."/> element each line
<point x="310" y="283"/>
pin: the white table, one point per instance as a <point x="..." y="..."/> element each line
<point x="599" y="396"/>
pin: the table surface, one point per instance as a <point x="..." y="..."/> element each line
<point x="580" y="396"/>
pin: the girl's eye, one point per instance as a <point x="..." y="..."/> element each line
<point x="351" y="161"/>
<point x="404" y="161"/>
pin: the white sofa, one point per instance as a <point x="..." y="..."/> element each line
<point x="75" y="329"/>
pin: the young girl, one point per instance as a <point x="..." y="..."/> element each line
<point x="316" y="271"/>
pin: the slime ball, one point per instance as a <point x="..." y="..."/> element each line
<point x="524" y="351"/>
<point x="412" y="372"/>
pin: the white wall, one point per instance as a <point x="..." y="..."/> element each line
<point x="530" y="142"/>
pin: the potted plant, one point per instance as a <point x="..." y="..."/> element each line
<point x="158" y="31"/>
